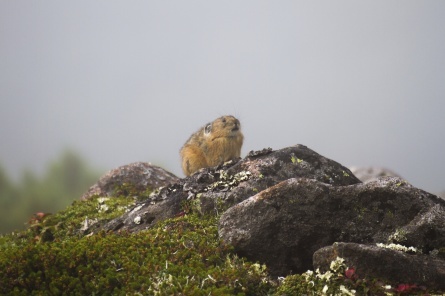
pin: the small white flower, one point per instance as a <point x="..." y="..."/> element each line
<point x="137" y="220"/>
<point x="103" y="208"/>
<point x="346" y="291"/>
<point x="101" y="200"/>
<point x="325" y="289"/>
<point x="325" y="276"/>
<point x="308" y="275"/>
<point x="337" y="264"/>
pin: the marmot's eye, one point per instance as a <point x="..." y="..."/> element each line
<point x="224" y="120"/>
<point x="208" y="128"/>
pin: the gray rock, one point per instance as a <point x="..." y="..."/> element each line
<point x="139" y="176"/>
<point x="285" y="224"/>
<point x="213" y="190"/>
<point x="426" y="231"/>
<point x="390" y="266"/>
<point x="369" y="174"/>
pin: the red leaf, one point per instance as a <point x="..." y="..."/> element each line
<point x="350" y="273"/>
<point x="180" y="214"/>
<point x="405" y="287"/>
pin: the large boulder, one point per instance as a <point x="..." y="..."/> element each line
<point x="138" y="177"/>
<point x="425" y="231"/>
<point x="285" y="224"/>
<point x="390" y="266"/>
<point x="213" y="190"/>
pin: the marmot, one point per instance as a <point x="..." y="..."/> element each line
<point x="212" y="145"/>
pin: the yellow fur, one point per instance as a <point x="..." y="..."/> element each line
<point x="212" y="145"/>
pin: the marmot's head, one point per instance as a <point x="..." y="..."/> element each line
<point x="224" y="126"/>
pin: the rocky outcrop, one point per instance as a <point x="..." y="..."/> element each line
<point x="139" y="176"/>
<point x="391" y="266"/>
<point x="369" y="174"/>
<point x="285" y="224"/>
<point x="216" y="189"/>
<point x="426" y="231"/>
<point x="280" y="207"/>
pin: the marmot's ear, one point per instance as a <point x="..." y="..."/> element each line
<point x="208" y="128"/>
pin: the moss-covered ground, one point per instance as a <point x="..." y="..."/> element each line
<point x="180" y="256"/>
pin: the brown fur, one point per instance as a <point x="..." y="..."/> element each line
<point x="212" y="145"/>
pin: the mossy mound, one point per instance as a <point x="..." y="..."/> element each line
<point x="181" y="256"/>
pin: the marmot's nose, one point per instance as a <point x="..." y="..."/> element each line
<point x="236" y="127"/>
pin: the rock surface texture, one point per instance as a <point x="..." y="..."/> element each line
<point x="139" y="175"/>
<point x="280" y="207"/>
<point x="376" y="262"/>
<point x="285" y="224"/>
<point x="213" y="190"/>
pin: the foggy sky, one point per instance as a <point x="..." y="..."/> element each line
<point x="362" y="83"/>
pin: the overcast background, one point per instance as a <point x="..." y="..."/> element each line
<point x="362" y="83"/>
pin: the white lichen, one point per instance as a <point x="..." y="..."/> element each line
<point x="229" y="181"/>
<point x="136" y="209"/>
<point x="137" y="220"/>
<point x="87" y="223"/>
<point x="398" y="236"/>
<point x="398" y="247"/>
<point x="102" y="207"/>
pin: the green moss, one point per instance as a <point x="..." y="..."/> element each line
<point x="77" y="218"/>
<point x="295" y="159"/>
<point x="360" y="211"/>
<point x="316" y="283"/>
<point x="401" y="183"/>
<point x="294" y="285"/>
<point x="179" y="256"/>
<point x="128" y="189"/>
